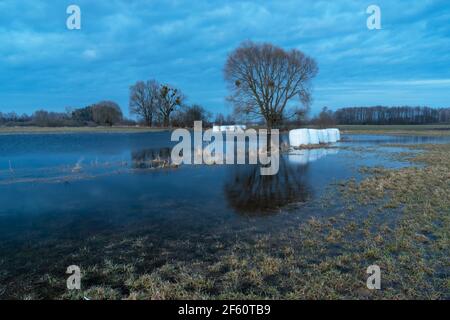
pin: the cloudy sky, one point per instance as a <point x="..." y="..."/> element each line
<point x="185" y="43"/>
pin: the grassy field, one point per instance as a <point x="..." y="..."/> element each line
<point x="428" y="130"/>
<point x="422" y="130"/>
<point x="61" y="130"/>
<point x="397" y="219"/>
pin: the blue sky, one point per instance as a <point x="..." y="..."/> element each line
<point x="185" y="43"/>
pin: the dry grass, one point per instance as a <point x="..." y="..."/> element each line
<point x="405" y="232"/>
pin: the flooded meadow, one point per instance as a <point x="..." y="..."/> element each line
<point x="141" y="228"/>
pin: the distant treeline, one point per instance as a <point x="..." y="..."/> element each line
<point x="104" y="113"/>
<point x="108" y="113"/>
<point x="380" y="115"/>
<point x="392" y="115"/>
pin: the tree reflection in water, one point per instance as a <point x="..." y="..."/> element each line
<point x="251" y="194"/>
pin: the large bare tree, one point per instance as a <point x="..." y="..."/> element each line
<point x="145" y="99"/>
<point x="265" y="80"/>
<point x="106" y="113"/>
<point x="170" y="99"/>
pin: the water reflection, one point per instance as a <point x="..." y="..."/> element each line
<point x="395" y="139"/>
<point x="251" y="194"/>
<point x="303" y="157"/>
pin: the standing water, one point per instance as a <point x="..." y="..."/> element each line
<point x="62" y="193"/>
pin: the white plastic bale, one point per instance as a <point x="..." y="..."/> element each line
<point x="332" y="136"/>
<point x="313" y="136"/>
<point x="232" y="128"/>
<point x="338" y="134"/>
<point x="323" y="137"/>
<point x="320" y="136"/>
<point x="327" y="136"/>
<point x="298" y="137"/>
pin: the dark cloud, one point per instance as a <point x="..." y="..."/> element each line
<point x="42" y="64"/>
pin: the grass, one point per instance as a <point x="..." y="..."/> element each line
<point x="405" y="230"/>
<point x="60" y="130"/>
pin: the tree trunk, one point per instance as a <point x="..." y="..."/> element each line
<point x="166" y="121"/>
<point x="149" y="121"/>
<point x="269" y="125"/>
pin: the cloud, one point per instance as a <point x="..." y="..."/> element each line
<point x="186" y="43"/>
<point x="90" y="54"/>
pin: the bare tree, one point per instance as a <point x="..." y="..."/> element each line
<point x="170" y="99"/>
<point x="264" y="79"/>
<point x="145" y="99"/>
<point x="220" y="119"/>
<point x="325" y="118"/>
<point x="187" y="115"/>
<point x="106" y="113"/>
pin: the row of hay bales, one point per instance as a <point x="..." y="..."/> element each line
<point x="304" y="137"/>
<point x="232" y="128"/>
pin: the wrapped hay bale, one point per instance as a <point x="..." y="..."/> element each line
<point x="313" y="136"/>
<point x="232" y="128"/>
<point x="323" y="136"/>
<point x="332" y="135"/>
<point x="298" y="137"/>
<point x="338" y="134"/>
<point x="320" y="136"/>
